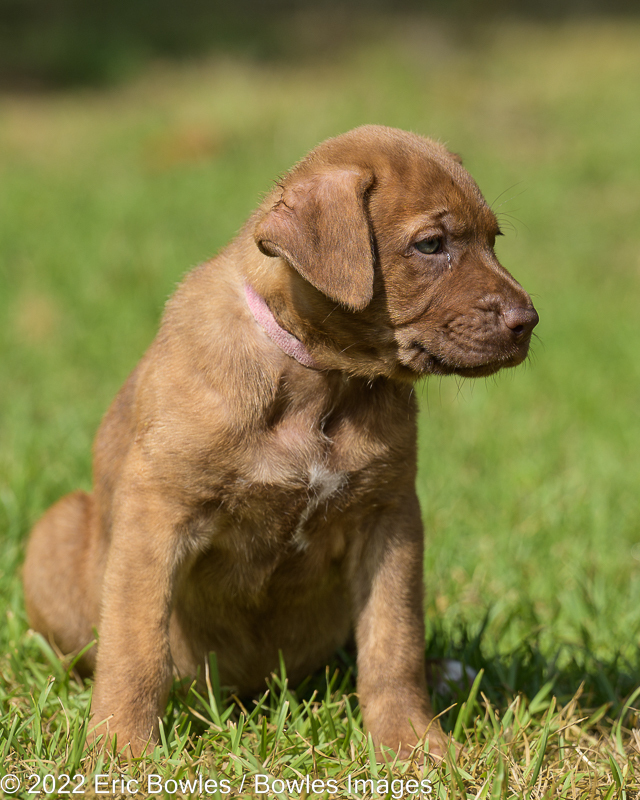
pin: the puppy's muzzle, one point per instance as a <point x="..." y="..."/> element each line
<point x="472" y="343"/>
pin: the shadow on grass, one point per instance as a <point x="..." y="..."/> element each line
<point x="600" y="688"/>
<point x="572" y="672"/>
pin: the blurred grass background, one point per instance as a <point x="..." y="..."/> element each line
<point x="123" y="165"/>
<point x="72" y="42"/>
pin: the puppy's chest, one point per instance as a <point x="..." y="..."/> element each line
<point x="298" y="480"/>
<point x="299" y="495"/>
<point x="292" y="475"/>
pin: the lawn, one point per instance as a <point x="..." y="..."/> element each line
<point x="529" y="481"/>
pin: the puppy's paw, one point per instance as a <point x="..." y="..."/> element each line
<point x="406" y="741"/>
<point x="106" y="734"/>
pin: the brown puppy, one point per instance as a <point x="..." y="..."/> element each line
<point x="254" y="478"/>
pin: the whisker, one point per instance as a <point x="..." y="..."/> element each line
<point x="493" y="206"/>
<point x="331" y="312"/>
<point x="504" y="215"/>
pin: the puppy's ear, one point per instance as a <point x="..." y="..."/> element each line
<point x="320" y="227"/>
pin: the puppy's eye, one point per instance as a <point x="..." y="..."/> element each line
<point x="429" y="246"/>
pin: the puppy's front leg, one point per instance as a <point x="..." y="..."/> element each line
<point x="134" y="665"/>
<point x="390" y="635"/>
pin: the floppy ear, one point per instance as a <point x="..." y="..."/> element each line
<point x="320" y="227"/>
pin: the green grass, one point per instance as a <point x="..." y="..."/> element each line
<point x="528" y="482"/>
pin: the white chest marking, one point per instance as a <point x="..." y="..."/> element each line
<point x="323" y="483"/>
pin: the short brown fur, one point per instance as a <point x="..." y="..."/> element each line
<point x="247" y="504"/>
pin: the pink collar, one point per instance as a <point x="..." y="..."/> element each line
<point x="286" y="341"/>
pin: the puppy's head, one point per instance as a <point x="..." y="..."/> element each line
<point x="386" y="232"/>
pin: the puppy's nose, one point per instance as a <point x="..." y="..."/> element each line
<point x="520" y="320"/>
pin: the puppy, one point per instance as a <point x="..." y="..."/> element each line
<point x="254" y="478"/>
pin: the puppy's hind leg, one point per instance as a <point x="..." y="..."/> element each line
<point x="62" y="577"/>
